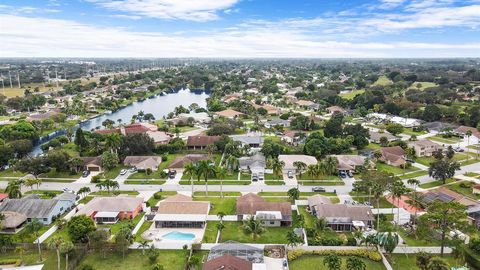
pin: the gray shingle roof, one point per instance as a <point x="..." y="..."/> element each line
<point x="32" y="208"/>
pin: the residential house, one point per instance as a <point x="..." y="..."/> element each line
<point x="386" y="118"/>
<point x="252" y="254"/>
<point x="142" y="163"/>
<point x="12" y="222"/>
<point x="112" y="209"/>
<point x="181" y="211"/>
<point x="439" y="126"/>
<point x="180" y="162"/>
<point x="42" y="116"/>
<point x="288" y="160"/>
<point x="424" y="148"/>
<point x="293" y="137"/>
<point x="199" y="142"/>
<point x="227" y="262"/>
<point x="254" y="141"/>
<point x="335" y="109"/>
<point x="158" y="137"/>
<point x="272" y="214"/>
<point x="229" y="113"/>
<point x="476" y="189"/>
<point x="394" y="156"/>
<point x="341" y="217"/>
<point x="254" y="164"/>
<point x="307" y="104"/>
<point x="32" y="207"/>
<point x="271" y="110"/>
<point x="277" y="122"/>
<point x="375" y="137"/>
<point x="231" y="97"/>
<point x="462" y="131"/>
<point x="200" y="117"/>
<point x="93" y="164"/>
<point x="350" y="163"/>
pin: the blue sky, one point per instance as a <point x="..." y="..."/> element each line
<point x="240" y="28"/>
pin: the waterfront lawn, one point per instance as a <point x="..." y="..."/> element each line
<point x="233" y="231"/>
<point x="436" y="183"/>
<point x="134" y="260"/>
<point x="315" y="262"/>
<point x="217" y="205"/>
<point x="401" y="261"/>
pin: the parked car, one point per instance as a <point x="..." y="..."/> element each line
<point x="68" y="190"/>
<point x="133" y="170"/>
<point x="254" y="177"/>
<point x="123" y="172"/>
<point x="342" y="174"/>
<point x="318" y="189"/>
<point x="350" y="174"/>
<point x="290" y="174"/>
<point x="261" y="177"/>
<point x="172" y="173"/>
<point x="85" y="173"/>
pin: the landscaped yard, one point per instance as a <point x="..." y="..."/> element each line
<point x="305" y="176"/>
<point x="450" y="140"/>
<point x="436" y="183"/>
<point x="465" y="188"/>
<point x="44" y="194"/>
<point x="30" y="257"/>
<point x="234" y="231"/>
<point x="460" y="157"/>
<point x="309" y="218"/>
<point x="401" y="261"/>
<point x="382" y="202"/>
<point x="143" y="175"/>
<point x="352" y="94"/>
<point x="54" y="174"/>
<point x="145" y="226"/>
<point x="113" y="173"/>
<point x="160" y="195"/>
<point x="315" y="262"/>
<point x="395" y="170"/>
<point x="420" y="241"/>
<point x="134" y="260"/>
<point x="217" y="205"/>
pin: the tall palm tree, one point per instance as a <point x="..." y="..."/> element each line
<point x="332" y="261"/>
<point x="415" y="183"/>
<point x="221" y="173"/>
<point x="277" y="166"/>
<point x="253" y="227"/>
<point x="397" y="190"/>
<point x="33" y="228"/>
<point x="14" y="189"/>
<point x="190" y="170"/>
<point x="55" y="243"/>
<point x="232" y="163"/>
<point x="220" y="227"/>
<point x="331" y="165"/>
<point x="206" y="169"/>
<point x="29" y="182"/>
<point x="300" y="166"/>
<point x="377" y="191"/>
<point x="312" y="170"/>
<point x="113" y="142"/>
<point x="66" y="247"/>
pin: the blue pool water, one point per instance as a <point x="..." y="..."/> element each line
<point x="179" y="236"/>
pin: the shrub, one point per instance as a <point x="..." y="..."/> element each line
<point x="362" y="253"/>
<point x="95" y="178"/>
<point x="16" y="262"/>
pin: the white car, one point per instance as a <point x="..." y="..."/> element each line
<point x="123" y="172"/>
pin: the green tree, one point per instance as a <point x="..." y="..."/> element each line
<point x="277" y="166"/>
<point x="445" y="217"/>
<point x="293" y="239"/>
<point x="355" y="263"/>
<point x="395" y="129"/>
<point x="443" y="167"/>
<point x="221" y="173"/>
<point x="206" y="169"/>
<point x="253" y="227"/>
<point x="34" y="228"/>
<point x="437" y="263"/>
<point x="66" y="247"/>
<point x="55" y="243"/>
<point x="332" y="261"/>
<point x="388" y="240"/>
<point x="14" y="189"/>
<point x="113" y="142"/>
<point x="80" y="140"/>
<point x="109" y="160"/>
<point x="98" y="240"/>
<point x="294" y="194"/>
<point x="79" y="227"/>
<point x="334" y="126"/>
<point x="220" y="226"/>
<point x="124" y="239"/>
<point x="190" y="170"/>
<point x="422" y="260"/>
<point x="300" y="166"/>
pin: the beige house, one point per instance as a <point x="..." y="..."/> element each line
<point x="394" y="156"/>
<point x="93" y="164"/>
<point x="424" y="148"/>
<point x="229" y="113"/>
<point x="143" y="162"/>
<point x="181" y="211"/>
<point x="288" y="160"/>
<point x="349" y="162"/>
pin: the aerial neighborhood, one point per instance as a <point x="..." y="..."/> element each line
<point x="242" y="165"/>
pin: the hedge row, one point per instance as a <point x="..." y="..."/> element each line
<point x="362" y="253"/>
<point x="16" y="262"/>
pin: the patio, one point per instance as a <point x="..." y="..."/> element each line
<point x="157" y="234"/>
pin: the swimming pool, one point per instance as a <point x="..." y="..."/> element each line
<point x="178" y="236"/>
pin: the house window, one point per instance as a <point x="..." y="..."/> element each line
<point x="29" y="219"/>
<point x="272" y="222"/>
<point x="45" y="219"/>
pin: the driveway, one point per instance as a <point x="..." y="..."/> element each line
<point x="86" y="180"/>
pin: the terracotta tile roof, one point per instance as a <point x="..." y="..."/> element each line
<point x="201" y="140"/>
<point x="227" y="262"/>
<point x="229" y="113"/>
<point x="183" y="207"/>
<point x="464" y="129"/>
<point x="111" y="204"/>
<point x="180" y="162"/>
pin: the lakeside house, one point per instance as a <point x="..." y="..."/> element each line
<point x="229" y="113"/>
<point x="158" y="137"/>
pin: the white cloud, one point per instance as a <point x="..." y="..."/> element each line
<point x="41" y="37"/>
<point x="191" y="10"/>
<point x="123" y="16"/>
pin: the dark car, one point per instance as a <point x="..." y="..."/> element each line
<point x="342" y="174"/>
<point x="318" y="189"/>
<point x="85" y="173"/>
<point x="172" y="173"/>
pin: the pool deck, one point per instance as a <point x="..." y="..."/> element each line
<point x="155" y="234"/>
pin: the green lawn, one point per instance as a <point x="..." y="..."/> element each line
<point x="302" y="194"/>
<point x="423" y="85"/>
<point x="383" y="81"/>
<point x="163" y="194"/>
<point x="436" y="183"/>
<point x="44" y="194"/>
<point x="215" y="182"/>
<point x="309" y="219"/>
<point x="319" y="177"/>
<point x="115" y="228"/>
<point x="217" y="205"/>
<point x="114" y="193"/>
<point x="460" y="157"/>
<point x="409" y="131"/>
<point x="395" y="170"/>
<point x="143" y="175"/>
<point x="315" y="262"/>
<point x="113" y="173"/>
<point x="465" y="188"/>
<point x="233" y="176"/>
<point x="420" y="241"/>
<point x="269" y="176"/>
<point x="134" y="260"/>
<point x="11" y="173"/>
<point x="54" y="174"/>
<point x="439" y="138"/>
<point x="413" y="175"/>
<point x="352" y="94"/>
<point x="31" y="258"/>
<point x="400" y="261"/>
<point x="321" y="183"/>
<point x="86" y="199"/>
<point x="145" y="226"/>
<point x="144" y="182"/>
<point x="234" y="231"/>
<point x="217" y="193"/>
<point x="274" y="183"/>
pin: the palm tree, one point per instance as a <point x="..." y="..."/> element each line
<point x="144" y="245"/>
<point x="83" y="191"/>
<point x="13" y="189"/>
<point x="355" y="263"/>
<point x="33" y="228"/>
<point x="468" y="134"/>
<point x="437" y="263"/>
<point x="253" y="227"/>
<point x="331" y="165"/>
<point x="300" y="166"/>
<point x="388" y="240"/>
<point x="415" y="183"/>
<point x="397" y="190"/>
<point x="332" y="261"/>
<point x="321" y="224"/>
<point x="29" y="182"/>
<point x="221" y="173"/>
<point x="232" y="163"/>
<point x="277" y="166"/>
<point x="221" y="215"/>
<point x="190" y="170"/>
<point x="422" y="259"/>
<point x="21" y="251"/>
<point x="294" y="194"/>
<point x="55" y="243"/>
<point x="377" y="191"/>
<point x="113" y="142"/>
<point x="65" y="248"/>
<point x="206" y="169"/>
<point x="293" y="239"/>
<point x="312" y="170"/>
<point x="220" y="227"/>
